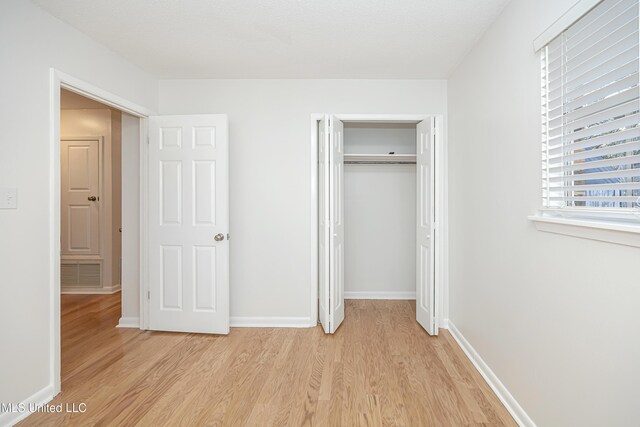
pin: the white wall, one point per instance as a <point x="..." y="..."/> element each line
<point x="116" y="196"/>
<point x="270" y="171"/>
<point x="379" y="138"/>
<point x="555" y="317"/>
<point x="380" y="229"/>
<point x="130" y="221"/>
<point x="31" y="41"/>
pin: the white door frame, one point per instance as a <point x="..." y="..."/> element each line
<point x="441" y="201"/>
<point x="57" y="81"/>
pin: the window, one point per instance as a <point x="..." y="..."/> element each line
<point x="590" y="113"/>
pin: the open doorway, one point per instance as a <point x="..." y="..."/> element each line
<point x="189" y="286"/>
<point x="90" y="188"/>
<point x="96" y="233"/>
<point x="90" y="196"/>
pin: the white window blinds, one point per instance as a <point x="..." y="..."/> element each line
<point x="591" y="110"/>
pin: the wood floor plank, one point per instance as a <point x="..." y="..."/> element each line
<point x="379" y="369"/>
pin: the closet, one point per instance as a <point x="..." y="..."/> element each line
<point x="376" y="214"/>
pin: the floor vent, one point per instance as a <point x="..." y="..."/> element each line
<point x="80" y="275"/>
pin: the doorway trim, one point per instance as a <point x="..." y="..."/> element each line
<point x="57" y="81"/>
<point x="441" y="253"/>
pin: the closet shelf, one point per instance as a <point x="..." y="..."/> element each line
<point x="380" y="159"/>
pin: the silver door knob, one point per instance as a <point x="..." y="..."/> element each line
<point x="218" y="237"/>
<point x="92" y="198"/>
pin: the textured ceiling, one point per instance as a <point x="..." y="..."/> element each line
<point x="284" y="38"/>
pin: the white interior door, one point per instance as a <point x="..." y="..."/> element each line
<point x="80" y="197"/>
<point x="425" y="279"/>
<point x="188" y="224"/>
<point x="336" y="220"/>
<point x="324" y="228"/>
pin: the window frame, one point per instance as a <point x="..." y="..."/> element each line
<point x="615" y="225"/>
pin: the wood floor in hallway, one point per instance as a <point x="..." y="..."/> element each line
<point x="380" y="369"/>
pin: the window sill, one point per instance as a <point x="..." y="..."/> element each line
<point x="627" y="234"/>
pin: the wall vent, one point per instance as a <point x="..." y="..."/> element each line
<point x="80" y="275"/>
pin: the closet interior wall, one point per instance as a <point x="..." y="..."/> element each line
<point x="380" y="213"/>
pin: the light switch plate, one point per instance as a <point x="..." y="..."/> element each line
<point x="8" y="198"/>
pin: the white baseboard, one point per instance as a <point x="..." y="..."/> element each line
<point x="401" y="295"/>
<point x="514" y="408"/>
<point x="444" y="324"/>
<point x="129" y="322"/>
<point x="91" y="291"/>
<point x="270" y="322"/>
<point x="39" y="398"/>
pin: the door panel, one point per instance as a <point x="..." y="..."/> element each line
<point x="204" y="270"/>
<point x="80" y="182"/>
<point x="188" y="224"/>
<point x="170" y="192"/>
<point x="425" y="279"/>
<point x="324" y="227"/>
<point x="79" y="235"/>
<point x="171" y="277"/>
<point x="204" y="202"/>
<point x="336" y="249"/>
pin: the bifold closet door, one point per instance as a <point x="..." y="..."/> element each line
<point x="425" y="202"/>
<point x="336" y="248"/>
<point x="331" y="223"/>
<point x="324" y="227"/>
<point x="188" y="224"/>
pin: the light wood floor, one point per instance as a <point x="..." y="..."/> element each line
<point x="380" y="368"/>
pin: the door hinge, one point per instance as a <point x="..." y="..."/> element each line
<point x="149" y="295"/>
<point x="147" y="140"/>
